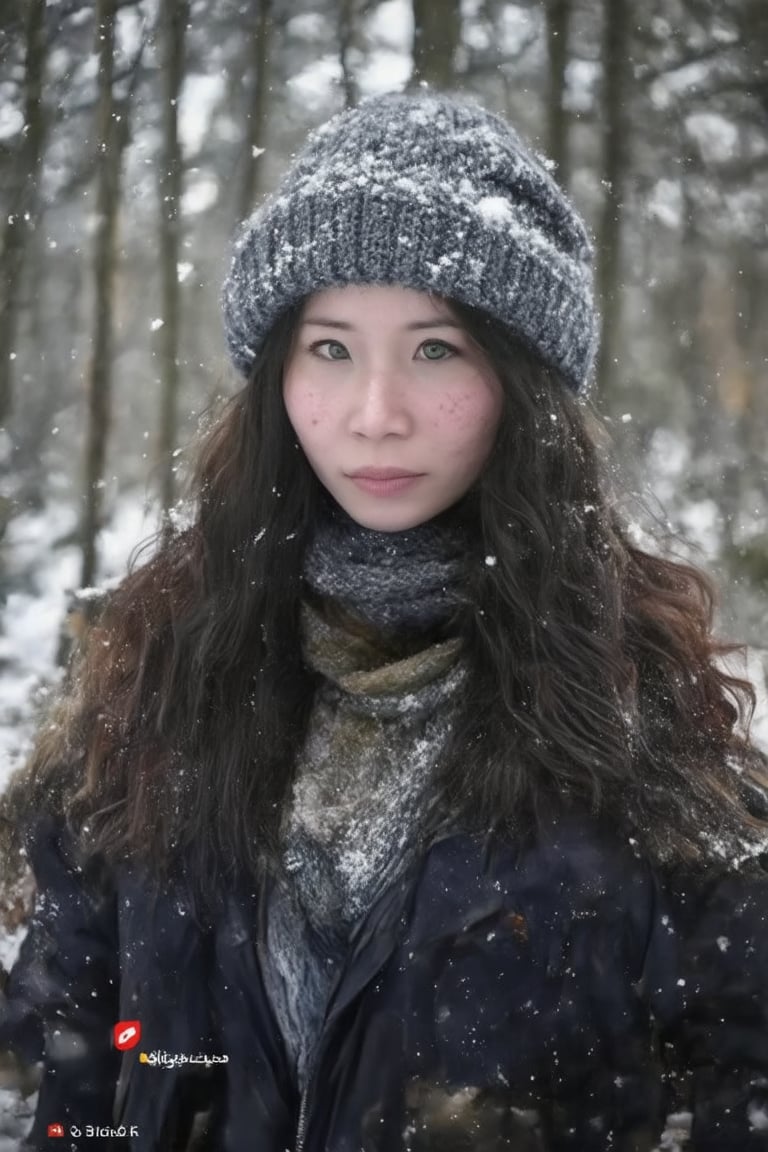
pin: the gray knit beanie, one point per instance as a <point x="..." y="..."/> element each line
<point x="432" y="193"/>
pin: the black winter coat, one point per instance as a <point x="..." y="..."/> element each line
<point x="497" y="999"/>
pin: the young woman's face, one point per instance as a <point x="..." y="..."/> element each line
<point x="383" y="380"/>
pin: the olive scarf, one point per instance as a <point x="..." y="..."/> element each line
<point x="381" y="715"/>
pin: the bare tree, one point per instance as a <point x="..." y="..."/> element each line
<point x="752" y="280"/>
<point x="24" y="197"/>
<point x="615" y="97"/>
<point x="348" y="31"/>
<point x="436" y="37"/>
<point x="693" y="367"/>
<point x="100" y="368"/>
<point x="755" y="26"/>
<point x="258" y="110"/>
<point x="558" y="20"/>
<point x="112" y="137"/>
<point x="173" y="23"/>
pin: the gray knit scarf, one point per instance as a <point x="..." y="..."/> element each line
<point x="379" y="721"/>
<point x="393" y="580"/>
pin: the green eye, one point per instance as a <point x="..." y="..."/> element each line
<point x="330" y="350"/>
<point x="435" y="350"/>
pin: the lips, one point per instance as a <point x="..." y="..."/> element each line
<point x="381" y="473"/>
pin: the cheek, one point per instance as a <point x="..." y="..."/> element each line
<point x="306" y="408"/>
<point x="467" y="418"/>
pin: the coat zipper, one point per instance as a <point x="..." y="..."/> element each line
<point x="301" y="1125"/>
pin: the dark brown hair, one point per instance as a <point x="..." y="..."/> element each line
<point x="595" y="682"/>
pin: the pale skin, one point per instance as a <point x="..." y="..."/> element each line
<point x="382" y="376"/>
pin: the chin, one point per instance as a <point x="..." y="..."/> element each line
<point x="388" y="519"/>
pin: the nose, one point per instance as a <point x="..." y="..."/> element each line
<point x="380" y="405"/>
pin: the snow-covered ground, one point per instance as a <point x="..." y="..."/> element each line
<point x="41" y="575"/>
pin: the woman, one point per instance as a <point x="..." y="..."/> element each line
<point x="402" y="782"/>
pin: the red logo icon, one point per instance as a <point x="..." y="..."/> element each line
<point x="126" y="1034"/>
<point x="55" y="1130"/>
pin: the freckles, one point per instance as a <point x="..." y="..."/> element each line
<point x="320" y="416"/>
<point x="455" y="408"/>
<point x="314" y="409"/>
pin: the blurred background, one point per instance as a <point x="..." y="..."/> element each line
<point x="135" y="134"/>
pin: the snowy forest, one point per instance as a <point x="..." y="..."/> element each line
<point x="136" y="134"/>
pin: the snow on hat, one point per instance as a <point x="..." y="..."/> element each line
<point x="432" y="193"/>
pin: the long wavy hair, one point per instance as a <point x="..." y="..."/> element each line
<point x="595" y="680"/>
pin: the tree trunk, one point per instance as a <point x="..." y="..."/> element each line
<point x="173" y="24"/>
<point x="104" y="259"/>
<point x="33" y="405"/>
<point x="694" y="365"/>
<point x="614" y="175"/>
<point x="347" y="29"/>
<point x="754" y="17"/>
<point x="256" y="120"/>
<point x="751" y="277"/>
<point x="558" y="18"/>
<point x="436" y="36"/>
<point x="23" y="199"/>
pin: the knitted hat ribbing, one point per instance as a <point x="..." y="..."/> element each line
<point x="431" y="193"/>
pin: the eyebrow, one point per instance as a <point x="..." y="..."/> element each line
<point x="327" y="322"/>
